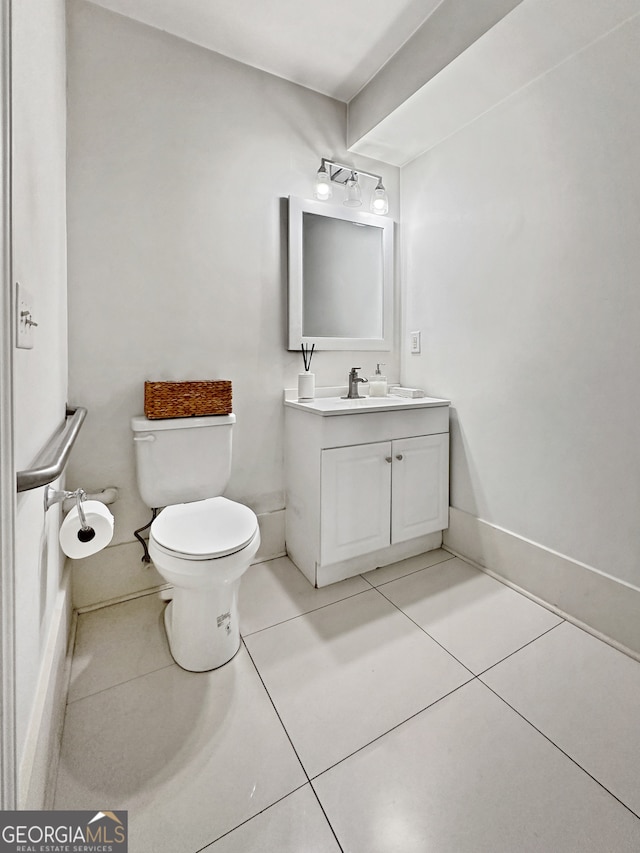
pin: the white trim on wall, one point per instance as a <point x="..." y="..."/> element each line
<point x="7" y="478"/>
<point x="117" y="573"/>
<point x="39" y="761"/>
<point x="598" y="602"/>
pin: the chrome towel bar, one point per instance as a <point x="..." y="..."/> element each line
<point x="53" y="457"/>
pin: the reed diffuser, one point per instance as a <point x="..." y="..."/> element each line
<point x="306" y="380"/>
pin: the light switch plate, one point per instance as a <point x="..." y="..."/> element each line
<point x="415" y="342"/>
<point x="24" y="320"/>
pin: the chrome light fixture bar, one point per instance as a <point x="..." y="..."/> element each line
<point x="332" y="172"/>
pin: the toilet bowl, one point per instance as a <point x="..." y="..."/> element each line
<point x="203" y="548"/>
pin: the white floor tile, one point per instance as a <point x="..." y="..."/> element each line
<point x="277" y="590"/>
<point x="476" y="618"/>
<point x="117" y="643"/>
<point x="200" y="757"/>
<point x="468" y="775"/>
<point x="407" y="567"/>
<point x="585" y="696"/>
<point x="294" y="825"/>
<point x="345" y="674"/>
<point x="190" y="756"/>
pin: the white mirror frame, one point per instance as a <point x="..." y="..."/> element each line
<point x="297" y="207"/>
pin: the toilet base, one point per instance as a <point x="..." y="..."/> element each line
<point x="202" y="626"/>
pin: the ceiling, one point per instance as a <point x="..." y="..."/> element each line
<point x="330" y="46"/>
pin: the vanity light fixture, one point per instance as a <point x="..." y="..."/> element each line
<point x="331" y="171"/>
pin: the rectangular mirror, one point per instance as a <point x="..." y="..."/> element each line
<point x="340" y="277"/>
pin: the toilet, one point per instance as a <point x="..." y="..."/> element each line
<point x="201" y="542"/>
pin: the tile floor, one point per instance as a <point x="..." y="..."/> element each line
<point x="421" y="708"/>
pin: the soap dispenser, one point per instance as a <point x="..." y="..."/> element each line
<point x="378" y="383"/>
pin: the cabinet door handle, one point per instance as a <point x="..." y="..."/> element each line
<point x="387" y="458"/>
<point x="399" y="456"/>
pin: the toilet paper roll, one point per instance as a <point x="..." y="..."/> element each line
<point x="78" y="543"/>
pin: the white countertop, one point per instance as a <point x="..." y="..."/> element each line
<point x="328" y="402"/>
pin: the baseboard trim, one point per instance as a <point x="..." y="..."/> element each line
<point x="39" y="760"/>
<point x="271" y="536"/>
<point x="118" y="574"/>
<point x="599" y="603"/>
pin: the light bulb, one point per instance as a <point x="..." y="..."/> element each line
<point x="323" y="189"/>
<point x="379" y="200"/>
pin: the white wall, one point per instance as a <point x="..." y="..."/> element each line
<point x="522" y="263"/>
<point x="40" y="374"/>
<point x="179" y="159"/>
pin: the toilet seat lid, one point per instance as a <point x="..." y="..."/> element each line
<point x="215" y="527"/>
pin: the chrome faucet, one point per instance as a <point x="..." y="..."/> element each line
<point x="352" y="394"/>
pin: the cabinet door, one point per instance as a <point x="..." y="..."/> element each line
<point x="420" y="491"/>
<point x="354" y="501"/>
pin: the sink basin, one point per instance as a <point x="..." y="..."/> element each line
<point x="333" y="405"/>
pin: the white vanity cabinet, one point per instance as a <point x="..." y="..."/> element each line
<point x="380" y="494"/>
<point x="367" y="484"/>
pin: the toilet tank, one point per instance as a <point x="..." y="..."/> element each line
<point x="182" y="459"/>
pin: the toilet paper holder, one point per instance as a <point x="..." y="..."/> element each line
<point x="54" y="496"/>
